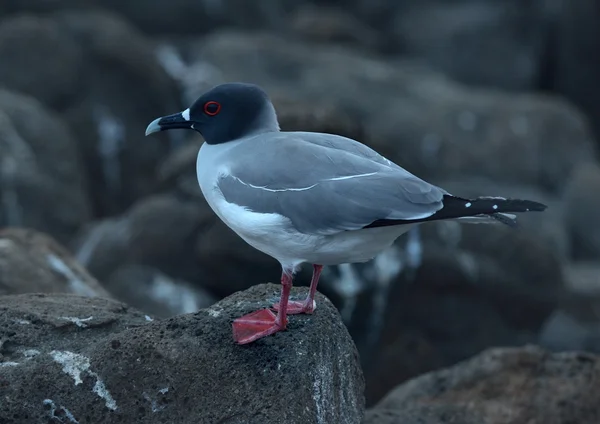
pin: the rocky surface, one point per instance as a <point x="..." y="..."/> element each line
<point x="34" y="171"/>
<point x="91" y="60"/>
<point x="500" y="386"/>
<point x="110" y="364"/>
<point x="31" y="262"/>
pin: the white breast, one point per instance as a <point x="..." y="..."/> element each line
<point x="274" y="235"/>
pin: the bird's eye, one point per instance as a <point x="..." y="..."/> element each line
<point x="212" y="108"/>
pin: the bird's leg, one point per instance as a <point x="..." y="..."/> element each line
<point x="307" y="306"/>
<point x="259" y="324"/>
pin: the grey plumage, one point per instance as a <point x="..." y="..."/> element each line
<point x="324" y="184"/>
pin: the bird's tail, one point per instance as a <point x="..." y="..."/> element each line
<point x="483" y="209"/>
<point x="480" y="210"/>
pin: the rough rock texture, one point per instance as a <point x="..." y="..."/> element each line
<point x="582" y="208"/>
<point x="92" y="59"/>
<point x="185" y="369"/>
<point x="432" y="126"/>
<point x="32" y="262"/>
<point x="500" y="386"/>
<point x="42" y="182"/>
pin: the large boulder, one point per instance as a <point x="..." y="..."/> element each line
<point x="103" y="77"/>
<point x="32" y="262"/>
<point x="42" y="180"/>
<point x="499" y="386"/>
<point x="185" y="369"/>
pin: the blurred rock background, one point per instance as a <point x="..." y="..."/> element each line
<point x="494" y="97"/>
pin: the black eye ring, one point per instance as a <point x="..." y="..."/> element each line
<point x="212" y="108"/>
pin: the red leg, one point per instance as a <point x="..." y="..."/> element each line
<point x="307" y="306"/>
<point x="259" y="324"/>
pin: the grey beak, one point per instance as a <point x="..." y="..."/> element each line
<point x="169" y="122"/>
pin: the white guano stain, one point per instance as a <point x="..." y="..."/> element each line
<point x="214" y="313"/>
<point x="30" y="353"/>
<point x="79" y="322"/>
<point x="53" y="409"/>
<point x="74" y="365"/>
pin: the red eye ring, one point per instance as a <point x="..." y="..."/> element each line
<point x="209" y="108"/>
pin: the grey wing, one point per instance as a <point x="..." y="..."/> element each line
<point x="348" y="145"/>
<point x="323" y="190"/>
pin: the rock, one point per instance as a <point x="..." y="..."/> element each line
<point x="309" y="373"/>
<point x="197" y="17"/>
<point x="502" y="385"/>
<point x="101" y="247"/>
<point x="333" y="25"/>
<point x="303" y="116"/>
<point x="425" y="122"/>
<point x="31" y="262"/>
<point x="155" y="293"/>
<point x="575" y="325"/>
<point x="92" y="59"/>
<point x="443" y="293"/>
<point x="583" y="277"/>
<point x="577" y="40"/>
<point x="486" y="43"/>
<point x="159" y="231"/>
<point x="565" y="331"/>
<point x="582" y="207"/>
<point x="51" y="56"/>
<point x="34" y="324"/>
<point x="42" y="182"/>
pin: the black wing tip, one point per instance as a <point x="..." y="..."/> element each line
<point x="516" y="205"/>
<point x="533" y="206"/>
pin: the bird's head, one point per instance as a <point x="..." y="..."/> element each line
<point x="225" y="113"/>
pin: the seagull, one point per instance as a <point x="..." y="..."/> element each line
<point x="308" y="197"/>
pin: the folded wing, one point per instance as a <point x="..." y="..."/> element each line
<point x="324" y="190"/>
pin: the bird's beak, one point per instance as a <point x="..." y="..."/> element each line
<point x="169" y="122"/>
